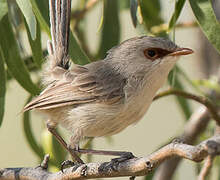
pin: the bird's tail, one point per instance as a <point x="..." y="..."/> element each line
<point x="60" y="12"/>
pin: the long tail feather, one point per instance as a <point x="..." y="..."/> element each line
<point x="60" y="11"/>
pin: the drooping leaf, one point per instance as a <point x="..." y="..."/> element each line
<point x="13" y="60"/>
<point x="2" y="86"/>
<point x="124" y="4"/>
<point x="26" y="9"/>
<point x="36" y="148"/>
<point x="206" y="18"/>
<point x="3" y="8"/>
<point x="40" y="18"/>
<point x="184" y="103"/>
<point x="110" y="35"/>
<point x="36" y="48"/>
<point x="76" y="53"/>
<point x="133" y="11"/>
<point x="150" y="11"/>
<point x="178" y="8"/>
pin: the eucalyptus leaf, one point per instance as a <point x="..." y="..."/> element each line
<point x="26" y="9"/>
<point x="37" y="52"/>
<point x="133" y="11"/>
<point x="206" y="18"/>
<point x="76" y="53"/>
<point x="42" y="20"/>
<point x="2" y="86"/>
<point x="183" y="103"/>
<point x="178" y="8"/>
<point x="3" y="8"/>
<point x="150" y="11"/>
<point x="13" y="60"/>
<point x="110" y="35"/>
<point x="36" y="148"/>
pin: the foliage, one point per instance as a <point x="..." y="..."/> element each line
<point x="32" y="15"/>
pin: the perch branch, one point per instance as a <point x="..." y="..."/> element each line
<point x="133" y="167"/>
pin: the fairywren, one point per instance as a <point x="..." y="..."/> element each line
<point x="104" y="97"/>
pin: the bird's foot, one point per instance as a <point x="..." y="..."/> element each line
<point x="114" y="163"/>
<point x="67" y="163"/>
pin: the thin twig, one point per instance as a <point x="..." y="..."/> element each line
<point x="203" y="100"/>
<point x="206" y="168"/>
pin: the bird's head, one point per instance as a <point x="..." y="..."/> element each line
<point x="147" y="54"/>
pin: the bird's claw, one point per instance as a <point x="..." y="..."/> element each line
<point x="113" y="164"/>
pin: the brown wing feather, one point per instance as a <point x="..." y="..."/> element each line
<point x="77" y="87"/>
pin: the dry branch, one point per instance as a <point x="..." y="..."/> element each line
<point x="133" y="167"/>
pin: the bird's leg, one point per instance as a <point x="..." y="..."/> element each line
<point x="123" y="155"/>
<point x="74" y="156"/>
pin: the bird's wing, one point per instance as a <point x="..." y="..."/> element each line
<point x="77" y="86"/>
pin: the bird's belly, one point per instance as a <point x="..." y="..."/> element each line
<point x="95" y="120"/>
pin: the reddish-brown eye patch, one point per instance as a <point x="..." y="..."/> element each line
<point x="155" y="53"/>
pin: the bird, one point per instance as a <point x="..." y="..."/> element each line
<point x="104" y="97"/>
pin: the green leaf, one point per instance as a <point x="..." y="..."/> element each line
<point x="178" y="8"/>
<point x="76" y="53"/>
<point x="12" y="57"/>
<point x="40" y="18"/>
<point x="110" y="36"/>
<point x="26" y="9"/>
<point x="133" y="11"/>
<point x="206" y="18"/>
<point x="2" y="86"/>
<point x="37" y="52"/>
<point x="3" y="8"/>
<point x="150" y="11"/>
<point x="36" y="148"/>
<point x="184" y="103"/>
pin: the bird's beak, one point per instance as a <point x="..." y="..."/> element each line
<point x="181" y="51"/>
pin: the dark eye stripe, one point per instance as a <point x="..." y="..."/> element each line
<point x="155" y="53"/>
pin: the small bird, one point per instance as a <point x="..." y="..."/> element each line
<point x="104" y="97"/>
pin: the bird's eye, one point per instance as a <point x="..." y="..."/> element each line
<point x="155" y="53"/>
<point x="151" y="54"/>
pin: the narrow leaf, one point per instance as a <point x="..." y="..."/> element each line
<point x="3" y="8"/>
<point x="184" y="103"/>
<point x="206" y="18"/>
<point x="2" y="86"/>
<point x="178" y="8"/>
<point x="110" y="36"/>
<point x="36" y="48"/>
<point x="26" y="9"/>
<point x="133" y="11"/>
<point x="76" y="53"/>
<point x="12" y="57"/>
<point x="36" y="148"/>
<point x="40" y="18"/>
<point x="150" y="11"/>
